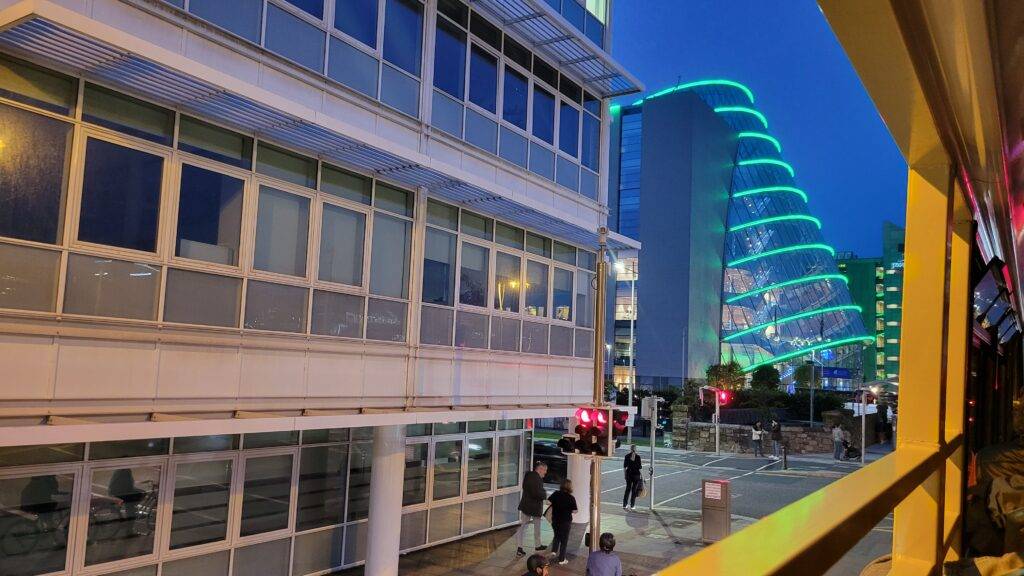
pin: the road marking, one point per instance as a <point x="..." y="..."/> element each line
<point x="713" y="461"/>
<point x="755" y="471"/>
<point x="656" y="476"/>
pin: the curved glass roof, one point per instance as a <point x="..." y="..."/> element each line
<point x="783" y="296"/>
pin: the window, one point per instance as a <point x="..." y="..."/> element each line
<point x="477" y="226"/>
<point x="271" y="439"/>
<point x="266" y="494"/>
<point x="275" y="307"/>
<point x="450" y="59"/>
<point x="476" y="515"/>
<point x="590" y="154"/>
<point x="400" y="91"/>
<point x="353" y="67"/>
<point x="389" y="261"/>
<point x="445" y="522"/>
<point x="504" y="334"/>
<point x="393" y="200"/>
<point x="282" y="231"/>
<point x="480" y="455"/>
<point x="125" y="114"/>
<point x="358" y="19"/>
<point x="538" y="245"/>
<point x="535" y="338"/>
<point x="294" y="38"/>
<point x="34" y="170"/>
<point x="439" y="268"/>
<point x="483" y="79"/>
<point x="122" y="499"/>
<point x="201" y="495"/>
<point x="314" y="8"/>
<point x="442" y="215"/>
<point x="120" y="196"/>
<point x="508" y="460"/>
<point x="100" y="286"/>
<point x="536" y="288"/>
<point x="209" y="141"/>
<point x="209" y="216"/>
<point x="29" y="279"/>
<point x="286" y="165"/>
<point x="565" y="254"/>
<point x="568" y="129"/>
<point x="436" y="325"/>
<point x="562" y="294"/>
<point x="414" y="489"/>
<point x="360" y="467"/>
<point x="31" y="84"/>
<point x="508" y="235"/>
<point x="471" y="330"/>
<point x="344" y="184"/>
<point x="385" y="320"/>
<point x="456" y="10"/>
<point x="241" y="17"/>
<point x="584" y="300"/>
<point x="561" y="341"/>
<point x="217" y="443"/>
<point x="442" y="428"/>
<point x="543" y="115"/>
<point x="128" y="448"/>
<point x="515" y="101"/>
<point x="584" y="343"/>
<point x="485" y="31"/>
<point x="473" y="275"/>
<point x="569" y="89"/>
<point x="43" y="496"/>
<point x="197" y="298"/>
<point x="341" y="245"/>
<point x="447" y="469"/>
<point x="337" y="314"/>
<point x="403" y="31"/>
<point x="323" y="473"/>
<point x="506" y="282"/>
<point x="545" y="72"/>
<point x="267" y="558"/>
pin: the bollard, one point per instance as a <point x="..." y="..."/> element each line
<point x="785" y="457"/>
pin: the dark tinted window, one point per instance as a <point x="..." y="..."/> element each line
<point x="358" y="19"/>
<point x="516" y="53"/>
<point x="516" y="97"/>
<point x="120" y="196"/>
<point x="37" y="86"/>
<point x="591" y="104"/>
<point x="485" y="31"/>
<point x="455" y="10"/>
<point x="450" y="59"/>
<point x="241" y="16"/>
<point x="403" y="34"/>
<point x="483" y="79"/>
<point x="591" y="150"/>
<point x="295" y="39"/>
<point x="545" y="72"/>
<point x="543" y="115"/>
<point x="213" y="142"/>
<point x="126" y="114"/>
<point x="568" y="129"/>
<point x="312" y="7"/>
<point x="570" y="89"/>
<point x="209" y="216"/>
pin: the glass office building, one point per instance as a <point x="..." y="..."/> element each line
<point x="258" y="257"/>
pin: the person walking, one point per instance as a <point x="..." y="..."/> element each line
<point x="604" y="562"/>
<point x="531" y="506"/>
<point x="563" y="506"/>
<point x="536" y="565"/>
<point x="756" y="432"/>
<point x="837" y="442"/>
<point x="776" y="439"/>
<point x="633" y="467"/>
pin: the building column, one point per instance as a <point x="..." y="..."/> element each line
<point x="578" y="470"/>
<point x="386" y="478"/>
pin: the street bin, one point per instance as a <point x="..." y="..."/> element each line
<point x="715" y="510"/>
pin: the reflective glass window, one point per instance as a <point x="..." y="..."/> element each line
<point x="517" y="53"/>
<point x="345" y="184"/>
<point x="336" y="314"/>
<point x="439" y="267"/>
<point x="561" y="341"/>
<point x="125" y="114"/>
<point x="353" y="67"/>
<point x="485" y="31"/>
<point x="341" y="245"/>
<point x="214" y="142"/>
<point x="358" y="19"/>
<point x="209" y="216"/>
<point x="389" y="260"/>
<point x="504" y="334"/>
<point x="414" y="529"/>
<point x="483" y="79"/>
<point x="441" y="428"/>
<point x="101" y="286"/>
<point x="275" y="307"/>
<point x="538" y="245"/>
<point x="108" y="450"/>
<point x="359" y="470"/>
<point x="34" y="166"/>
<point x="567" y="173"/>
<point x="325" y="435"/>
<point x="400" y="91"/>
<point x="445" y="522"/>
<point x="508" y="235"/>
<point x="454" y="9"/>
<point x="120" y="196"/>
<point x="473" y="275"/>
<point x="514" y="147"/>
<point x="436" y="325"/>
<point x="565" y="253"/>
<point x="585" y="300"/>
<point x="286" y="165"/>
<point x="264" y="559"/>
<point x="476" y="515"/>
<point x="516" y="93"/>
<point x="25" y="82"/>
<point x="282" y="231"/>
<point x="570" y="89"/>
<point x="393" y="200"/>
<point x="202" y="493"/>
<point x="562" y="294"/>
<point x="385" y="320"/>
<point x="477" y="226"/>
<point x="271" y="439"/>
<point x="535" y="338"/>
<point x="215" y="443"/>
<point x="545" y="72"/>
<point x="266" y="494"/>
<point x="481" y="131"/>
<point x="480" y="454"/>
<point x="536" y="288"/>
<point x="37" y="517"/>
<point x="507" y="282"/>
<point x="198" y="298"/>
<point x="591" y="104"/>
<point x="568" y="129"/>
<point x="323" y="473"/>
<point x="471" y="330"/>
<point x="414" y="488"/>
<point x="450" y="58"/>
<point x="508" y="460"/>
<point x="314" y="8"/>
<point x="122" y="513"/>
<point x="446" y="114"/>
<point x="591" y="150"/>
<point x="41" y="454"/>
<point x="584" y="343"/>
<point x="241" y="17"/>
<point x="447" y="469"/>
<point x="542" y="161"/>
<point x="29" y="279"/>
<point x="294" y="38"/>
<point x="403" y="34"/>
<point x="442" y="215"/>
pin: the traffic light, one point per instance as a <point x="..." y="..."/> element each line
<point x="620" y="421"/>
<point x="593" y="431"/>
<point x="724" y="397"/>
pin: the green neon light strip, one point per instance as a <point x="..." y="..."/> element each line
<point x="767" y="189"/>
<point x="697" y="84"/>
<point x="762" y="136"/>
<point x="772" y="161"/>
<point x="813" y="278"/>
<point x="809" y="349"/>
<point x="783" y="250"/>
<point x="787" y="319"/>
<point x="744" y="110"/>
<point x="764" y="221"/>
<point x="614" y="108"/>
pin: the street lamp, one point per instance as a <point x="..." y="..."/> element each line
<point x="620" y="268"/>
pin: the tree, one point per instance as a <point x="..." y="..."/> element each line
<point x="804" y="374"/>
<point x="765" y="378"/>
<point x="728" y="376"/>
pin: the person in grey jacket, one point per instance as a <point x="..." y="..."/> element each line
<point x="531" y="506"/>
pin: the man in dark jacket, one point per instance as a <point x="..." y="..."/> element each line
<point x="531" y="506"/>
<point x="633" y="468"/>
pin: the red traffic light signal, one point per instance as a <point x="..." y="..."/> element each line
<point x="724" y="397"/>
<point x="594" y="430"/>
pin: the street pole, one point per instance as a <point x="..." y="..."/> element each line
<point x="599" y="318"/>
<point x="632" y="346"/>
<point x="654" y="434"/>
<point x="718" y="406"/>
<point x="863" y="422"/>
<point x="814" y="371"/>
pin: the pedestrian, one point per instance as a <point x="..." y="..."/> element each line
<point x="755" y="436"/>
<point x="837" y="442"/>
<point x="776" y="438"/>
<point x="563" y="506"/>
<point x="536" y="565"/>
<point x="633" y="467"/>
<point x="604" y="562"/>
<point x="531" y="506"/>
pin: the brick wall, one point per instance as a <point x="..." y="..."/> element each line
<point x="700" y="436"/>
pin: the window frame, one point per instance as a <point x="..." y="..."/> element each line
<point x="234" y="504"/>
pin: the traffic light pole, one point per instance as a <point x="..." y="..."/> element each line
<point x="718" y="422"/>
<point x="599" y="352"/>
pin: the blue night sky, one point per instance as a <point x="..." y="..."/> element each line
<point x="802" y="81"/>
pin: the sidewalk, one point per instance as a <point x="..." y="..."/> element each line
<point x="645" y="543"/>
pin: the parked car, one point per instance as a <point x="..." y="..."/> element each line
<point x="548" y="452"/>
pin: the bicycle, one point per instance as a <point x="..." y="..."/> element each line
<point x="29" y="529"/>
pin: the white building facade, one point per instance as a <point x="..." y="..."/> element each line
<point x="283" y="283"/>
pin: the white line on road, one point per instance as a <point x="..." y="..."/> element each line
<point x="713" y="461"/>
<point x="656" y="476"/>
<point x="698" y="489"/>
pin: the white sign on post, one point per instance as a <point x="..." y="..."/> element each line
<point x="713" y="490"/>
